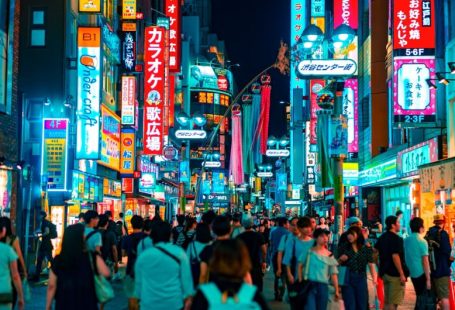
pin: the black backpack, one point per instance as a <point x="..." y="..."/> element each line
<point x="433" y="237"/>
<point x="52" y="230"/>
<point x="106" y="249"/>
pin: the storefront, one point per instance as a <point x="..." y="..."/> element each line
<point x="6" y="189"/>
<point x="112" y="198"/>
<point x="87" y="191"/>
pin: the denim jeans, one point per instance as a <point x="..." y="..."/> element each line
<point x="355" y="295"/>
<point x="318" y="296"/>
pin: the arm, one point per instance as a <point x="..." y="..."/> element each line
<point x="204" y="276"/>
<point x="264" y="256"/>
<point x="279" y="258"/>
<point x="115" y="257"/>
<point x="335" y="285"/>
<point x="373" y="272"/>
<point x="102" y="267"/>
<point x="397" y="263"/>
<point x="300" y="272"/>
<point x="51" y="289"/>
<point x="17" y="283"/>
<point x="426" y="269"/>
<point x="17" y="248"/>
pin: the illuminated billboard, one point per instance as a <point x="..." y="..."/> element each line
<point x="414" y="27"/>
<point x="409" y="160"/>
<point x="129" y="50"/>
<point x="88" y="93"/>
<point x="315" y="87"/>
<point x="298" y="23"/>
<point x="127" y="151"/>
<point x="207" y="77"/>
<point x="350" y="110"/>
<point x="414" y="101"/>
<point x="128" y="99"/>
<point x="317" y="8"/>
<point x="346" y="12"/>
<point x="154" y="71"/>
<point x="54" y="152"/>
<point x="172" y="8"/>
<point x="110" y="139"/>
<point x="210" y="97"/>
<point x="129" y="9"/>
<point x="89" y="6"/>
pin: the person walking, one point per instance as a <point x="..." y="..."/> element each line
<point x="14" y="242"/>
<point x="440" y="260"/>
<point x="416" y="257"/>
<point x="319" y="267"/>
<point x="176" y="230"/>
<point x="188" y="233"/>
<point x="203" y="238"/>
<point x="71" y="278"/>
<point x="147" y="241"/>
<point x="237" y="227"/>
<point x="109" y="244"/>
<point x="229" y="265"/>
<point x="45" y="246"/>
<point x="275" y="237"/>
<point x="9" y="275"/>
<point x="356" y="257"/>
<point x="92" y="235"/>
<point x="257" y="249"/>
<point x="162" y="273"/>
<point x="392" y="267"/>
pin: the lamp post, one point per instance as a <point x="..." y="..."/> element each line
<point x="330" y="101"/>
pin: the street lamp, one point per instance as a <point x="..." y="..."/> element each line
<point x="277" y="147"/>
<point x="188" y="123"/>
<point x="211" y="159"/>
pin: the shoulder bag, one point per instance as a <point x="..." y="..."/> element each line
<point x="103" y="288"/>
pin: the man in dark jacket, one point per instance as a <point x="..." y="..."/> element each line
<point x="439" y="245"/>
<point x="45" y="246"/>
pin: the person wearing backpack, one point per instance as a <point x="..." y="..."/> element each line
<point x="187" y="235"/>
<point x="203" y="238"/>
<point x="109" y="246"/>
<point x="179" y="228"/>
<point x="227" y="290"/>
<point x="92" y="235"/>
<point x="439" y="245"/>
<point x="45" y="246"/>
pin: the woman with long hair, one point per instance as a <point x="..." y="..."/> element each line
<point x="229" y="265"/>
<point x="187" y="235"/>
<point x="356" y="255"/>
<point x="13" y="241"/>
<point x="71" y="278"/>
<point x="202" y="239"/>
<point x="8" y="273"/>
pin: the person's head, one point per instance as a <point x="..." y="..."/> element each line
<point x="416" y="225"/>
<point x="354" y="221"/>
<point x="120" y="215"/>
<point x="73" y="246"/>
<point x="305" y="226"/>
<point x="322" y="220"/>
<point x="439" y="220"/>
<point x="9" y="226"/>
<point x="91" y="218"/>
<point x="293" y="225"/>
<point x="230" y="259"/>
<point x="399" y="214"/>
<point x="190" y="224"/>
<point x="321" y="237"/>
<point x="355" y="235"/>
<point x="236" y="219"/>
<point x="103" y="221"/>
<point x="203" y="233"/>
<point x="147" y="227"/>
<point x="161" y="232"/>
<point x="248" y="222"/>
<point x="266" y="223"/>
<point x="81" y="217"/>
<point x="208" y="217"/>
<point x="108" y="214"/>
<point x="3" y="227"/>
<point x="180" y="219"/>
<point x="137" y="222"/>
<point x="221" y="226"/>
<point x="392" y="224"/>
<point x="283" y="222"/>
<point x="313" y="222"/>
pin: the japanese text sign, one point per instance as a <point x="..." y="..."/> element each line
<point x="88" y="93"/>
<point x="409" y="160"/>
<point x="128" y="99"/>
<point x="154" y="71"/>
<point x="173" y="12"/>
<point x="54" y="152"/>
<point x="317" y="8"/>
<point x="298" y="23"/>
<point x="414" y="27"/>
<point x="129" y="51"/>
<point x="127" y="150"/>
<point x="326" y="68"/>
<point x="346" y="12"/>
<point x="89" y="6"/>
<point x="414" y="101"/>
<point x="350" y="110"/>
<point x="128" y="185"/>
<point x="129" y="9"/>
<point x="110" y="139"/>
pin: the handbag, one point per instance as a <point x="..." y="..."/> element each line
<point x="6" y="298"/>
<point x="26" y="290"/>
<point x="103" y="289"/>
<point x="426" y="301"/>
<point x="298" y="291"/>
<point x="343" y="275"/>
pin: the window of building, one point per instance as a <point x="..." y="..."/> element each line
<point x="37" y="28"/>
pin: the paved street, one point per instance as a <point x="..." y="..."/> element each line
<point x="119" y="303"/>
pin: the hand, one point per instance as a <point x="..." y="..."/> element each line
<point x="403" y="279"/>
<point x="20" y="303"/>
<point x="428" y="284"/>
<point x="264" y="267"/>
<point x="291" y="278"/>
<point x="278" y="272"/>
<point x="343" y="258"/>
<point x="115" y="267"/>
<point x="337" y="295"/>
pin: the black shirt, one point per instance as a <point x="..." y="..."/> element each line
<point x="46" y="243"/>
<point x="358" y="261"/>
<point x="388" y="244"/>
<point x="129" y="244"/>
<point x="253" y="241"/>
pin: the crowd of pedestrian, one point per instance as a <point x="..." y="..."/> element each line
<point x="219" y="262"/>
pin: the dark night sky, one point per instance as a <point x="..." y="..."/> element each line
<point x="252" y="30"/>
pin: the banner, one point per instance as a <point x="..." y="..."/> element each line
<point x="350" y="110"/>
<point x="338" y="136"/>
<point x="315" y="87"/>
<point x="298" y="23"/>
<point x="413" y="100"/>
<point x="128" y="99"/>
<point x="172" y="8"/>
<point x="110" y="139"/>
<point x="409" y="160"/>
<point x="127" y="150"/>
<point x="346" y="12"/>
<point x="54" y="152"/>
<point x="88" y="93"/>
<point x="154" y="51"/>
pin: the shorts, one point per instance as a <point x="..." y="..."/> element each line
<point x="441" y="287"/>
<point x="393" y="290"/>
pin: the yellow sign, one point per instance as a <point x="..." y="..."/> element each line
<point x="129" y="27"/>
<point x="110" y="139"/>
<point x="129" y="9"/>
<point x="162" y="212"/>
<point x="127" y="148"/>
<point x="89" y="6"/>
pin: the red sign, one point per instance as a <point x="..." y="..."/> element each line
<point x="346" y="12"/>
<point x="173" y="12"/>
<point x="414" y="25"/>
<point x="128" y="185"/>
<point x="128" y="99"/>
<point x="154" y="54"/>
<point x="223" y="83"/>
<point x="171" y="100"/>
<point x="315" y="86"/>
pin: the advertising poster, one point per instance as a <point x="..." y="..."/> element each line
<point x="154" y="71"/>
<point x="298" y="24"/>
<point x="338" y="136"/>
<point x="345" y="12"/>
<point x="129" y="9"/>
<point x="350" y="110"/>
<point x="5" y="192"/>
<point x="127" y="151"/>
<point x="218" y="180"/>
<point x="89" y="6"/>
<point x="128" y="185"/>
<point x="129" y="51"/>
<point x="128" y="99"/>
<point x="413" y="100"/>
<point x="88" y="93"/>
<point x="110" y="139"/>
<point x="54" y="152"/>
<point x="207" y="77"/>
<point x="184" y="172"/>
<point x="414" y="27"/>
<point x="315" y="87"/>
<point x="172" y="8"/>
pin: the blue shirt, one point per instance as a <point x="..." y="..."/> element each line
<point x="415" y="247"/>
<point x="194" y="249"/>
<point x="297" y="249"/>
<point x="162" y="283"/>
<point x="318" y="268"/>
<point x="7" y="256"/>
<point x="95" y="239"/>
<point x="144" y="244"/>
<point x="275" y="238"/>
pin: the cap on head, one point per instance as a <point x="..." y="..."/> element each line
<point x="353" y="220"/>
<point x="439" y="218"/>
